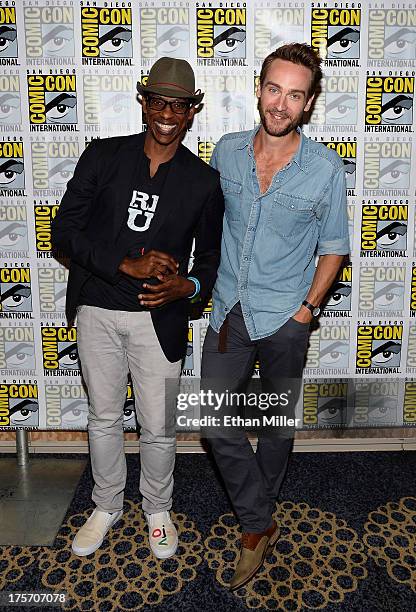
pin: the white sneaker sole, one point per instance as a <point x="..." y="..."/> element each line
<point x="84" y="551"/>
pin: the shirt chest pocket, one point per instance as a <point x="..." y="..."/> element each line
<point x="232" y="195"/>
<point x="291" y="216"/>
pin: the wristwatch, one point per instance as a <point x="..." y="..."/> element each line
<point x="315" y="310"/>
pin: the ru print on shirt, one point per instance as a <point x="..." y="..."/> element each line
<point x="141" y="210"/>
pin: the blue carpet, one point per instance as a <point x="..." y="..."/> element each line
<point x="348" y="542"/>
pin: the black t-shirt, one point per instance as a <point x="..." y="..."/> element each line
<point x="141" y="210"/>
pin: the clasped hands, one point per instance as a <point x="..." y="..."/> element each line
<point x="156" y="264"/>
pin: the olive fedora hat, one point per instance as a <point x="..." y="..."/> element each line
<point x="173" y="78"/>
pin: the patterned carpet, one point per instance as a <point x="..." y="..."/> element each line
<point x="348" y="542"/>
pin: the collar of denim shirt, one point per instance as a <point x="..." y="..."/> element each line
<point x="301" y="158"/>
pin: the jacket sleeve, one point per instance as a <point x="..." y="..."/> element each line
<point x="74" y="214"/>
<point x="208" y="233"/>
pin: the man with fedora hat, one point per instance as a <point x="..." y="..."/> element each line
<point x="128" y="221"/>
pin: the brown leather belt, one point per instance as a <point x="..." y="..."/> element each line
<point x="222" y="337"/>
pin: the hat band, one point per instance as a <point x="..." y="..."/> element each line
<point x="171" y="85"/>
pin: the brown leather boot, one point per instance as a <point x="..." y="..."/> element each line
<point x="254" y="547"/>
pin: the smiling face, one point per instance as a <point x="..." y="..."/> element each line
<point x="165" y="126"/>
<point x="284" y="97"/>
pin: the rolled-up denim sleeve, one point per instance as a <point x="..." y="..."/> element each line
<point x="333" y="224"/>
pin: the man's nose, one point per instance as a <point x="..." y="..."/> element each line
<point x="281" y="102"/>
<point x="167" y="112"/>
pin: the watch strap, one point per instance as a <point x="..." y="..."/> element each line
<point x="310" y="306"/>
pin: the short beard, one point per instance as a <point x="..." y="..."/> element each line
<point x="293" y="125"/>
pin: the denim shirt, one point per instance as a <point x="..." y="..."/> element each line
<point x="270" y="240"/>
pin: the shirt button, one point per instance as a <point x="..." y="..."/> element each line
<point x="226" y="309"/>
<point x="243" y="286"/>
<point x="291" y="206"/>
<point x="245" y="258"/>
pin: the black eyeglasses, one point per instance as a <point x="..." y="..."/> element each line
<point x="177" y="106"/>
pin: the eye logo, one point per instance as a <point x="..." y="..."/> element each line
<point x="324" y="404"/>
<point x="15" y="290"/>
<point x="334" y="354"/>
<point x="58" y="108"/>
<point x="223" y="92"/>
<point x="337" y="103"/>
<point x="49" y="31"/>
<point x="17" y="348"/>
<point x="341" y="110"/>
<point x="53" y="164"/>
<point x="348" y="152"/>
<point x="106" y="33"/>
<point x="382" y="290"/>
<point x="11" y="165"/>
<point x="389" y="101"/>
<point x="10" y="109"/>
<point x="389" y="297"/>
<point x="173" y="41"/>
<point x="8" y="33"/>
<point x="13" y="236"/>
<point x="19" y="405"/>
<point x="60" y="349"/>
<point x="390" y="234"/>
<point x="108" y="101"/>
<point x="387" y="166"/>
<point x="274" y="26"/>
<point x="339" y="295"/>
<point x="395" y="107"/>
<point x="375" y="403"/>
<point x="129" y="410"/>
<point x="342" y="41"/>
<point x="74" y="413"/>
<point x="113" y="41"/>
<point x="52" y="99"/>
<point x="395" y="174"/>
<point x="335" y="35"/>
<point x="24" y="412"/>
<point x="331" y="413"/>
<point x="227" y="41"/>
<point x="11" y="174"/>
<point x="221" y="33"/>
<point x="379" y="346"/>
<point x="392" y="34"/>
<point x="164" y="32"/>
<point x="384" y="228"/>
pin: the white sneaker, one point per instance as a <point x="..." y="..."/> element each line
<point x="163" y="537"/>
<point x="92" y="533"/>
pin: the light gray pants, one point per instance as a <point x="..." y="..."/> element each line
<point x="111" y="342"/>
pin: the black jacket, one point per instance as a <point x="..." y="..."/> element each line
<point x="94" y="209"/>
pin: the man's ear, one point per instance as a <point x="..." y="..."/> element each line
<point x="192" y="112"/>
<point x="258" y="90"/>
<point x="309" y="103"/>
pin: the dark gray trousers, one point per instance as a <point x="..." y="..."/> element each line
<point x="253" y="480"/>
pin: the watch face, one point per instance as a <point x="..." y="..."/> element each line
<point x="316" y="311"/>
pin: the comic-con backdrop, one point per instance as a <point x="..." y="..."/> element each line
<point x="68" y="75"/>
